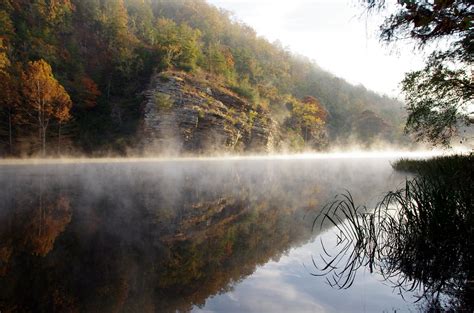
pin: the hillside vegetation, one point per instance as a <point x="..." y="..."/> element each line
<point x="92" y="59"/>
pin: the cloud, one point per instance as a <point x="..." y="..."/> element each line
<point x="266" y="291"/>
<point x="287" y="286"/>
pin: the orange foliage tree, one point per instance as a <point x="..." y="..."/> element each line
<point x="45" y="98"/>
<point x="89" y="92"/>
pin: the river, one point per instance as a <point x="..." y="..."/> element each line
<point x="165" y="235"/>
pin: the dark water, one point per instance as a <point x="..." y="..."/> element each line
<point x="204" y="236"/>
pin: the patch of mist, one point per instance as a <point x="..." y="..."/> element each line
<point x="171" y="150"/>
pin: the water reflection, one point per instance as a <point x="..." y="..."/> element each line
<point x="419" y="238"/>
<point x="158" y="237"/>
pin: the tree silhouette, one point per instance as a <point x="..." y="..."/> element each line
<point x="439" y="96"/>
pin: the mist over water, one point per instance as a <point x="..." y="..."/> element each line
<point x="178" y="234"/>
<point x="354" y="153"/>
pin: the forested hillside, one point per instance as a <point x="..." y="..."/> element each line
<point x="73" y="74"/>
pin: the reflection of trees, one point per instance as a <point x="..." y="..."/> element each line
<point x="44" y="225"/>
<point x="420" y="238"/>
<point x="31" y="223"/>
<point x="214" y="244"/>
<point x="5" y="254"/>
<point x="214" y="259"/>
<point x="160" y="240"/>
<point x="35" y="221"/>
<point x="154" y="249"/>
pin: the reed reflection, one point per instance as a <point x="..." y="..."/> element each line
<point x="420" y="238"/>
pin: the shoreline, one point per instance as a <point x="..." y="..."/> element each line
<point x="383" y="154"/>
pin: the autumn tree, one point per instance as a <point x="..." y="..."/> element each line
<point x="4" y="61"/>
<point x="53" y="11"/>
<point x="45" y="99"/>
<point x="309" y="117"/>
<point x="88" y="92"/>
<point x="368" y="126"/>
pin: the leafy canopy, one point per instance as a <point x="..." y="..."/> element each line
<point x="439" y="97"/>
<point x="44" y="94"/>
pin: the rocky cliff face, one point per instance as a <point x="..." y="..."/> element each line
<point x="183" y="113"/>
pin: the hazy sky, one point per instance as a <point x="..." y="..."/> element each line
<point x="334" y="34"/>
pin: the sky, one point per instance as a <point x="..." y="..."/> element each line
<point x="335" y="34"/>
<point x="285" y="285"/>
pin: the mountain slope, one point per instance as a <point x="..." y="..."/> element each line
<point x="104" y="53"/>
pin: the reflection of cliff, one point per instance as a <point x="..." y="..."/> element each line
<point x="151" y="238"/>
<point x="212" y="260"/>
<point x="159" y="274"/>
<point x="144" y="254"/>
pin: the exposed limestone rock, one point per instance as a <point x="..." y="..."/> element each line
<point x="185" y="114"/>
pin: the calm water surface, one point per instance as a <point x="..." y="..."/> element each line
<point x="202" y="236"/>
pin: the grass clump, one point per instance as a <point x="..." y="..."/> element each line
<point x="246" y="91"/>
<point x="419" y="237"/>
<point x="448" y="166"/>
<point x="163" y="101"/>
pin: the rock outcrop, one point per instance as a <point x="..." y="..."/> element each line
<point x="183" y="113"/>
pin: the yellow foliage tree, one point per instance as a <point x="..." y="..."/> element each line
<point x="309" y="113"/>
<point x="4" y="61"/>
<point x="309" y="117"/>
<point x="45" y="98"/>
<point x="54" y="10"/>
